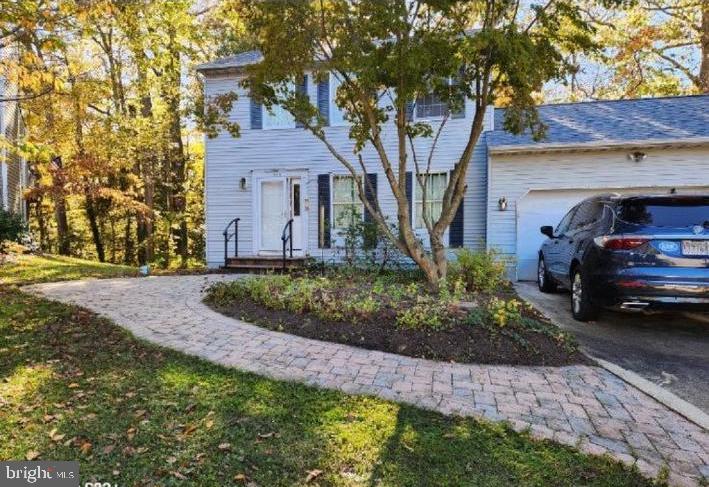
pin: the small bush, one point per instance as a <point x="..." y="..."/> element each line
<point x="11" y="228"/>
<point x="503" y="312"/>
<point x="481" y="271"/>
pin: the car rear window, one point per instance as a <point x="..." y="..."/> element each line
<point x="666" y="212"/>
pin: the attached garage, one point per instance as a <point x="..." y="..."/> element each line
<point x="539" y="188"/>
<point x="628" y="146"/>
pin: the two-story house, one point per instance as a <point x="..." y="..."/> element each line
<point x="277" y="171"/>
<point x="14" y="173"/>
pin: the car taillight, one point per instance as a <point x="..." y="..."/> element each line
<point x="620" y="243"/>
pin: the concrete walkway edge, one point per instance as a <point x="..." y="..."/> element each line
<point x="659" y="394"/>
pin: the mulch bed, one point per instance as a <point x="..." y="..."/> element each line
<point x="462" y="343"/>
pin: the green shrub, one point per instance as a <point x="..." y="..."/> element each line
<point x="503" y="312"/>
<point x="481" y="271"/>
<point x="11" y="228"/>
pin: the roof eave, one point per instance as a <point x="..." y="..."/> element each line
<point x="597" y="145"/>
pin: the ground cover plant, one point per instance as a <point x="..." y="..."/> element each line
<point x="77" y="387"/>
<point x="476" y="317"/>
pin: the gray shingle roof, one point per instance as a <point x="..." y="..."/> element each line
<point x="237" y="61"/>
<point x="609" y="122"/>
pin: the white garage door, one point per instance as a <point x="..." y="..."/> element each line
<point x="547" y="207"/>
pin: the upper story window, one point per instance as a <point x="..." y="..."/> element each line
<point x="346" y="205"/>
<point x="430" y="106"/>
<point x="435" y="188"/>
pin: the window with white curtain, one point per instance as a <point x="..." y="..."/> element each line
<point x="435" y="187"/>
<point x="346" y="205"/>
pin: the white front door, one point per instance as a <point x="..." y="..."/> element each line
<point x="273" y="213"/>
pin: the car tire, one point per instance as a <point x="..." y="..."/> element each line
<point x="544" y="281"/>
<point x="582" y="308"/>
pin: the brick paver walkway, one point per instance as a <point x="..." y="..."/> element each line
<point x="582" y="406"/>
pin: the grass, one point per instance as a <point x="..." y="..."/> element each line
<point x="78" y="387"/>
<point x="27" y="269"/>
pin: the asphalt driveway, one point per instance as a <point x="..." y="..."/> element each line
<point x="671" y="350"/>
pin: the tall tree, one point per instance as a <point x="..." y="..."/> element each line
<point x="649" y="48"/>
<point x="390" y="53"/>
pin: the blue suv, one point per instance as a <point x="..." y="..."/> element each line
<point x="630" y="252"/>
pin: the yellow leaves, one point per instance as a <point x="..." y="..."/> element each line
<point x="55" y="436"/>
<point x="312" y="475"/>
<point x="86" y="447"/>
<point x="32" y="455"/>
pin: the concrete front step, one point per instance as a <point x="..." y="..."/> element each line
<point x="263" y="263"/>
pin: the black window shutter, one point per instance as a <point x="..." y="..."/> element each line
<point x="409" y="192"/>
<point x="256" y="114"/>
<point x="323" y="211"/>
<point x="455" y="232"/>
<point x="324" y="99"/>
<point x="302" y="88"/>
<point x="370" y="192"/>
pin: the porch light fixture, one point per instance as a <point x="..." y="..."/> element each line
<point x="242" y="184"/>
<point x="637" y="156"/>
<point x="502" y="203"/>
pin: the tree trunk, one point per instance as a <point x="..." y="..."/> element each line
<point x="91" y="214"/>
<point x="704" y="50"/>
<point x="177" y="160"/>
<point x="128" y="241"/>
<point x="60" y="207"/>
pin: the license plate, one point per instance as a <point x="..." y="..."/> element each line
<point x="695" y="247"/>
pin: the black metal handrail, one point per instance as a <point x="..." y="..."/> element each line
<point x="227" y="237"/>
<point x="288" y="228"/>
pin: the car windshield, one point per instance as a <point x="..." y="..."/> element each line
<point x="666" y="212"/>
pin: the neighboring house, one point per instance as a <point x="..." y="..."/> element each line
<point x="14" y="174"/>
<point x="276" y="171"/>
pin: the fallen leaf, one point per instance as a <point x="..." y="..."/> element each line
<point x="240" y="477"/>
<point x="116" y="472"/>
<point x="266" y="435"/>
<point x="86" y="447"/>
<point x="178" y="475"/>
<point x="224" y="446"/>
<point x="171" y="460"/>
<point x="130" y="433"/>
<point x="73" y="385"/>
<point x="32" y="455"/>
<point x="190" y="428"/>
<point x="209" y="424"/>
<point x="139" y="413"/>
<point x="190" y="407"/>
<point x="108" y="449"/>
<point x="312" y="475"/>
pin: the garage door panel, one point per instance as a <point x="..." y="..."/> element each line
<point x="548" y="207"/>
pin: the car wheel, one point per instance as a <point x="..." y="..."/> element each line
<point x="544" y="280"/>
<point x="581" y="306"/>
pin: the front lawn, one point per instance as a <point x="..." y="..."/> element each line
<point x="26" y="269"/>
<point x="395" y="312"/>
<point x="78" y="387"/>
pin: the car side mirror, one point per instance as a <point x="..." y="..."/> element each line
<point x="547" y="230"/>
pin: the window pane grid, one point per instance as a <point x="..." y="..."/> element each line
<point x="345" y="201"/>
<point x="435" y="188"/>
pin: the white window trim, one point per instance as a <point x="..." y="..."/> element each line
<point x="414" y="197"/>
<point x="358" y="202"/>
<point x="440" y="117"/>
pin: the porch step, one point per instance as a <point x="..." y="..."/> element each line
<point x="263" y="263"/>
